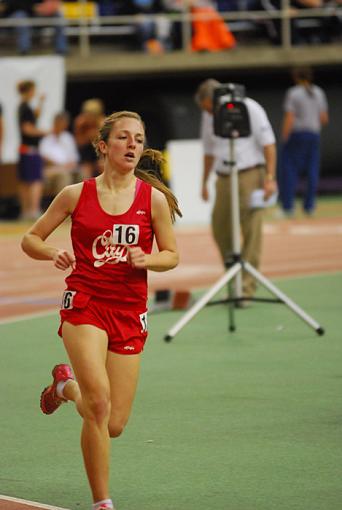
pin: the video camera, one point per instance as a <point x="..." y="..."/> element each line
<point x="231" y="119"/>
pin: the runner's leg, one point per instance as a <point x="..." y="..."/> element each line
<point x="123" y="372"/>
<point x="86" y="346"/>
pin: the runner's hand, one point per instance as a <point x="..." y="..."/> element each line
<point x="136" y="257"/>
<point x="63" y="259"/>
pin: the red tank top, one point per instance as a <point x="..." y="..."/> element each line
<point x="100" y="243"/>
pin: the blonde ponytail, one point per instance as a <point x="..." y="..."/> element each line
<point x="149" y="170"/>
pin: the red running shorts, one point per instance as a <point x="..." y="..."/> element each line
<point x="126" y="329"/>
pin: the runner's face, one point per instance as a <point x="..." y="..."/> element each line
<point x="125" y="144"/>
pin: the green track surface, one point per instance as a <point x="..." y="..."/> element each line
<point x="250" y="420"/>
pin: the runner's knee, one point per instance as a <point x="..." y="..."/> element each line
<point x="96" y="407"/>
<point x="116" y="427"/>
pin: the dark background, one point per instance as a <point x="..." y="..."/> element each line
<point x="167" y="107"/>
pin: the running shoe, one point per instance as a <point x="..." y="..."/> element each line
<point x="49" y="401"/>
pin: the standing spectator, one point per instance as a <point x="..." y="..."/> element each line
<point x="30" y="162"/>
<point x="59" y="152"/>
<point x="25" y="9"/>
<point x="255" y="158"/>
<point x="86" y="127"/>
<point x="305" y="112"/>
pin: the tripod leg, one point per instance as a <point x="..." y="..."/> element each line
<point x="203" y="301"/>
<point x="291" y="304"/>
<point x="231" y="304"/>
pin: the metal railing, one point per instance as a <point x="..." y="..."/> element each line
<point x="84" y="27"/>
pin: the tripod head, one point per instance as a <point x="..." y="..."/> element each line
<point x="231" y="119"/>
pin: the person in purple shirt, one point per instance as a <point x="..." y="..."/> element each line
<point x="305" y="112"/>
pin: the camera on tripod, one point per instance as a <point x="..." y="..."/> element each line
<point x="231" y="119"/>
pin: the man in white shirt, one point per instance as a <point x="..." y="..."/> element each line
<point x="255" y="159"/>
<point x="59" y="152"/>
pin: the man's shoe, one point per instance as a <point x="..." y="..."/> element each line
<point x="245" y="303"/>
<point x="49" y="400"/>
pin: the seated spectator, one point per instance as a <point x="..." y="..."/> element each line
<point x="312" y="34"/>
<point x="86" y="127"/>
<point x="332" y="25"/>
<point x="172" y="38"/>
<point x="108" y="7"/>
<point x="152" y="35"/>
<point x="60" y="156"/>
<point x="25" y="9"/>
<point x="308" y="29"/>
<point x="21" y="9"/>
<point x="147" y="30"/>
<point x="53" y="9"/>
<point x="235" y="5"/>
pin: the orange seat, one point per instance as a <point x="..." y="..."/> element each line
<point x="210" y="33"/>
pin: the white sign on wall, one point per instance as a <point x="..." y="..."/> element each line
<point x="49" y="75"/>
<point x="186" y="165"/>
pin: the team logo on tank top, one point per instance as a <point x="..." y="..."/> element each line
<point x="111" y="246"/>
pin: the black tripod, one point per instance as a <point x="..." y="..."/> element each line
<point x="234" y="273"/>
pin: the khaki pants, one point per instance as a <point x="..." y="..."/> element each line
<point x="54" y="183"/>
<point x="250" y="221"/>
<point x="55" y="180"/>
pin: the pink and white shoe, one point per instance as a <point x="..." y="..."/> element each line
<point x="104" y="505"/>
<point x="49" y="400"/>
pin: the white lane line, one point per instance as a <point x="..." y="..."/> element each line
<point x="307" y="230"/>
<point x="303" y="230"/>
<point x="31" y="503"/>
<point x="28" y="316"/>
<point x="43" y="299"/>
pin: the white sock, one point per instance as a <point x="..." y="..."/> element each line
<point x="60" y="387"/>
<point x="107" y="502"/>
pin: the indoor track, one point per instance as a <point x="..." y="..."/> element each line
<point x="291" y="247"/>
